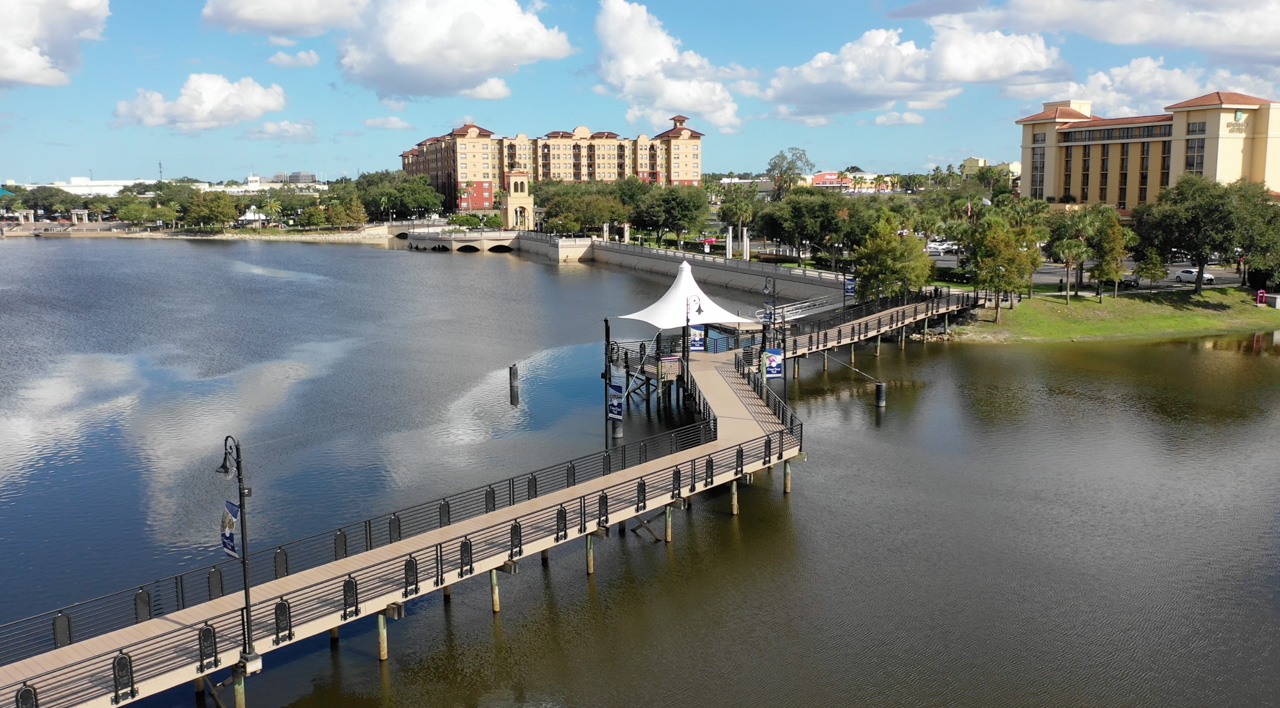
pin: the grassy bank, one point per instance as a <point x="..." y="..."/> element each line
<point x="1137" y="315"/>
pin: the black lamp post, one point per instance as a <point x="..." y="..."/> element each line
<point x="231" y="460"/>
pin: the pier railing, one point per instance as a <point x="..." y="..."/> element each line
<point x="408" y="575"/>
<point x="33" y="635"/>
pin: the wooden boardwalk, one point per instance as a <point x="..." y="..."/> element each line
<point x="754" y="431"/>
<point x="165" y="652"/>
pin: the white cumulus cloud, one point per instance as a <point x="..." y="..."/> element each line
<point x="41" y="39"/>
<point x="1143" y="87"/>
<point x="445" y="47"/>
<point x="642" y="64"/>
<point x="307" y="57"/>
<point x="282" y="41"/>
<point x="394" y="104"/>
<point x="302" y="131"/>
<point x="206" y="101"/>
<point x="879" y="69"/>
<point x="896" y="118"/>
<point x="1245" y="29"/>
<point x="388" y="123"/>
<point x="283" y="17"/>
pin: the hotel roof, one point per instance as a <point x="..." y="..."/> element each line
<point x="1219" y="98"/>
<point x="1060" y="113"/>
<point x="1097" y="122"/>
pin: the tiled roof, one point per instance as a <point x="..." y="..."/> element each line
<point x="428" y="141"/>
<point x="679" y="117"/>
<point x="604" y="134"/>
<point x="463" y="130"/>
<point x="675" y="133"/>
<point x="1106" y="122"/>
<point x="559" y="134"/>
<point x="1218" y="98"/>
<point x="1060" y="113"/>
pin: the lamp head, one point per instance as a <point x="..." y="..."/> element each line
<point x="228" y="463"/>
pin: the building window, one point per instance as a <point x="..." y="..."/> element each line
<point x="1106" y="152"/>
<point x="1142" y="195"/>
<point x="1120" y="202"/>
<point x="1197" y="128"/>
<point x="1037" y="172"/>
<point x="1102" y="194"/>
<point x="1037" y="138"/>
<point x="1195" y="156"/>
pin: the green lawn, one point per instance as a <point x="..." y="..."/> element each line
<point x="1137" y="315"/>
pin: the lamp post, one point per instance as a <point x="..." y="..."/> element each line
<point x="231" y="459"/>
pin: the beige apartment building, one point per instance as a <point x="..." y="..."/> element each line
<point x="470" y="164"/>
<point x="1127" y="161"/>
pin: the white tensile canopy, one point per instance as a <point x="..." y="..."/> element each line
<point x="684" y="303"/>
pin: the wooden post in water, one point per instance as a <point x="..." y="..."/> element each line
<point x="786" y="477"/>
<point x="622" y="530"/>
<point x="546" y="558"/>
<point x="877" y="345"/>
<point x="668" y="523"/>
<point x="448" y="593"/>
<point x="591" y="556"/>
<point x="493" y="589"/>
<point x="902" y="337"/>
<point x="333" y="637"/>
<point x="824" y="360"/>
<point x="733" y="497"/>
<point x="237" y="673"/>
<point x="382" y="636"/>
<point x="199" y="685"/>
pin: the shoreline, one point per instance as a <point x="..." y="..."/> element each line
<point x="347" y="237"/>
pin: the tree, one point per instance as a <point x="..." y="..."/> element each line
<point x="1109" y="250"/>
<point x="562" y="225"/>
<point x="493" y="221"/>
<point x="469" y="221"/>
<point x="889" y="264"/>
<point x="98" y="207"/>
<point x="312" y="217"/>
<point x="679" y="209"/>
<point x="135" y="212"/>
<point x="1002" y="259"/>
<point x="211" y="209"/>
<point x="739" y="204"/>
<point x="1071" y="252"/>
<point x="1151" y="267"/>
<point x="1196" y="218"/>
<point x="786" y="168"/>
<point x="50" y="200"/>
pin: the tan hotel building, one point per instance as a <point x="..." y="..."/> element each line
<point x="468" y="164"/>
<point x="1127" y="161"/>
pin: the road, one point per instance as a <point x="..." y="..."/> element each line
<point x="1051" y="273"/>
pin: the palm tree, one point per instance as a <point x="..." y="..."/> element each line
<point x="271" y="208"/>
<point x="1071" y="252"/>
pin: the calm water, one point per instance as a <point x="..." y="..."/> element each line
<point x="1074" y="525"/>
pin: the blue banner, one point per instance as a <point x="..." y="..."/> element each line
<point x="229" y="518"/>
<point x="768" y="311"/>
<point x="850" y="286"/>
<point x="697" y="338"/>
<point x="771" y="360"/>
<point x="614" y="409"/>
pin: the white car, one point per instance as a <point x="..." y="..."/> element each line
<point x="1188" y="275"/>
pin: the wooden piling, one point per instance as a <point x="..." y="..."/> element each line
<point x="591" y="556"/>
<point x="546" y="558"/>
<point x="786" y="477"/>
<point x="877" y="345"/>
<point x="382" y="636"/>
<point x="333" y="636"/>
<point x="493" y="590"/>
<point x="237" y="673"/>
<point x="668" y="524"/>
<point x="733" y="497"/>
<point x="199" y="685"/>
<point x="448" y="593"/>
<point x="824" y="360"/>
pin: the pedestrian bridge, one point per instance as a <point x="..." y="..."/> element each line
<point x="138" y="642"/>
<point x="464" y="241"/>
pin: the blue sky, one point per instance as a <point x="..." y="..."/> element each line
<point x="218" y="88"/>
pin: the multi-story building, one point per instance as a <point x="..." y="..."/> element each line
<point x="1076" y="156"/>
<point x="469" y="164"/>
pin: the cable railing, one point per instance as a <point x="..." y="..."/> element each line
<point x="753" y="267"/>
<point x="46" y="631"/>
<point x="408" y="575"/>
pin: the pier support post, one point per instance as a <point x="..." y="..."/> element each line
<point x="667" y="537"/>
<point x="448" y="593"/>
<point x="622" y="530"/>
<point x="786" y="477"/>
<point x="333" y="637"/>
<point x="880" y="394"/>
<point x="493" y="590"/>
<point x="382" y="636"/>
<point x="546" y="558"/>
<point x="946" y="323"/>
<point x="877" y="345"/>
<point x="199" y="685"/>
<point x="591" y="555"/>
<point x="851" y="354"/>
<point x="795" y="368"/>
<point x="733" y="497"/>
<point x="238" y="686"/>
<point x="824" y="360"/>
<point x="902" y="337"/>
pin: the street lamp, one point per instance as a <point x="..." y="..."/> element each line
<point x="231" y="460"/>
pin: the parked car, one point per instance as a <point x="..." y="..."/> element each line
<point x="1126" y="282"/>
<point x="1188" y="275"/>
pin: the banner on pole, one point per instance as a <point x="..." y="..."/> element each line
<point x="697" y="338"/>
<point x="230" y="516"/>
<point x="768" y="311"/>
<point x="850" y="286"/>
<point x="772" y="362"/>
<point x="614" y="409"/>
